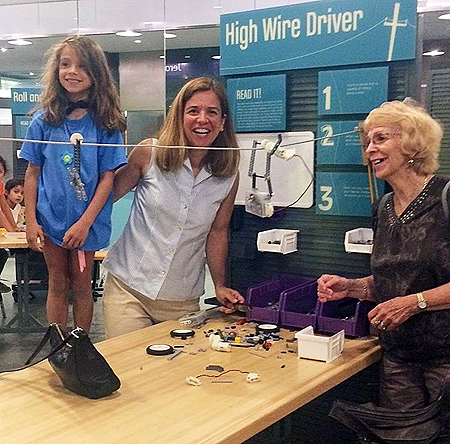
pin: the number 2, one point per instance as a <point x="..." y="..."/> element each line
<point x="328" y="130"/>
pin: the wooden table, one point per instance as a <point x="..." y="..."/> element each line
<point x="156" y="405"/>
<point x="24" y="321"/>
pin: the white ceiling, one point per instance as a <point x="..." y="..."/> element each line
<point x="196" y="23"/>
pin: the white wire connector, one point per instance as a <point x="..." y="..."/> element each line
<point x="76" y="137"/>
<point x="280" y="152"/>
<point x="253" y="377"/>
<point x="192" y="380"/>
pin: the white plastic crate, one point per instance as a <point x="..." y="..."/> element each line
<point x="320" y="348"/>
<point x="277" y="241"/>
<point x="359" y="240"/>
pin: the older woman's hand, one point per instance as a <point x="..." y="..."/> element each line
<point x="331" y="287"/>
<point x="390" y="314"/>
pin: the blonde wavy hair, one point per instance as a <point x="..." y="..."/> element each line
<point x="421" y="135"/>
<point x="103" y="94"/>
<point x="222" y="163"/>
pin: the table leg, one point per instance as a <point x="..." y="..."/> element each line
<point x="25" y="321"/>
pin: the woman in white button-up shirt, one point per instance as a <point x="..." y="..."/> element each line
<point x="181" y="212"/>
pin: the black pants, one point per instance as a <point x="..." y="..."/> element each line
<point x="410" y="385"/>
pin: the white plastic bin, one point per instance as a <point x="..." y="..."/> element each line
<point x="320" y="348"/>
<point x="359" y="240"/>
<point x="277" y="241"/>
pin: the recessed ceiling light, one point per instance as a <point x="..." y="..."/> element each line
<point x="444" y="17"/>
<point x="169" y="35"/>
<point x="128" y="33"/>
<point x="138" y="41"/>
<point x="434" y="52"/>
<point x="20" y="42"/>
<point x="216" y="57"/>
<point x="217" y="7"/>
<point x="3" y="49"/>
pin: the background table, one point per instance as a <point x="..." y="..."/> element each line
<point x="24" y="321"/>
<point x="156" y="405"/>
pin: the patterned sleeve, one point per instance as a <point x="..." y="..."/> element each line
<point x="33" y="151"/>
<point x="111" y="158"/>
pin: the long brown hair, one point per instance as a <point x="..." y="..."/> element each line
<point x="103" y="94"/>
<point x="218" y="162"/>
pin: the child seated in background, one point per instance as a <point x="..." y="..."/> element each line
<point x="14" y="199"/>
<point x="6" y="220"/>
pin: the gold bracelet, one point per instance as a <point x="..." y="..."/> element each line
<point x="366" y="290"/>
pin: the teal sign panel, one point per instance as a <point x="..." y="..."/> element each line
<point x="258" y="103"/>
<point x="317" y="34"/>
<point x="23" y="100"/>
<point x="339" y="143"/>
<point x="343" y="194"/>
<point x="119" y="217"/>
<point x="21" y="124"/>
<point x="352" y="91"/>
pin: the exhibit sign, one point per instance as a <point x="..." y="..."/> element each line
<point x="317" y="34"/>
<point x="344" y="194"/>
<point x="258" y="104"/>
<point x="352" y="91"/>
<point x="23" y="100"/>
<point x="21" y="124"/>
<point x="338" y="143"/>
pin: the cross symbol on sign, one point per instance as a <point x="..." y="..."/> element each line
<point x="394" y="24"/>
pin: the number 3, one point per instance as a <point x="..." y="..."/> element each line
<point x="326" y="198"/>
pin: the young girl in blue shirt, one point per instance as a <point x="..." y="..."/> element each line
<point x="68" y="190"/>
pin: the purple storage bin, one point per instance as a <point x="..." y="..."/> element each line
<point x="298" y="305"/>
<point x="348" y="314"/>
<point x="262" y="297"/>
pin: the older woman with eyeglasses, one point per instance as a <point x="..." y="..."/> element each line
<point x="410" y="262"/>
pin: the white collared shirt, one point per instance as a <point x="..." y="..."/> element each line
<point x="161" y="252"/>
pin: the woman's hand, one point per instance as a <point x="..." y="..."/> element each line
<point x="228" y="298"/>
<point x="35" y="236"/>
<point x="76" y="235"/>
<point x="390" y="314"/>
<point x="331" y="287"/>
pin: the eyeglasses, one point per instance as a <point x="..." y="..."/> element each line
<point x="380" y="138"/>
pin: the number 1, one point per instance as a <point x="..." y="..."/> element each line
<point x="327" y="92"/>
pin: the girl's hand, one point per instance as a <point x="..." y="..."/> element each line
<point x="76" y="235"/>
<point x="331" y="287"/>
<point x="35" y="236"/>
<point x="390" y="314"/>
<point x="228" y="297"/>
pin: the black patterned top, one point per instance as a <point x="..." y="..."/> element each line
<point x="411" y="253"/>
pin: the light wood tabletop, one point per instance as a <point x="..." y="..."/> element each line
<point x="13" y="240"/>
<point x="19" y="240"/>
<point x="156" y="405"/>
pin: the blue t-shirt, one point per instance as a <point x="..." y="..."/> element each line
<point x="58" y="207"/>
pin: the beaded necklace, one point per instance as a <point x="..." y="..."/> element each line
<point x="412" y="207"/>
